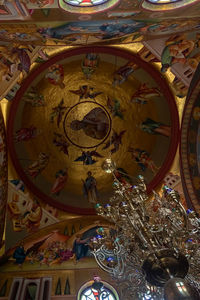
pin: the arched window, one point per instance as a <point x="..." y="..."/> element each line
<point x="161" y="5"/>
<point x="86" y="6"/>
<point x="98" y="291"/>
<point x="85" y="3"/>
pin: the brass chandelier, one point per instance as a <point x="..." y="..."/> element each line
<point x="153" y="249"/>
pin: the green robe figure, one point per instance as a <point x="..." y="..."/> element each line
<point x="153" y="127"/>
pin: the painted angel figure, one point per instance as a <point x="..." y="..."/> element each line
<point x="142" y="158"/>
<point x="122" y="176"/>
<point x="115" y="109"/>
<point x="60" y="142"/>
<point x="55" y="75"/>
<point x="177" y="50"/>
<point x="58" y="112"/>
<point x="122" y="74"/>
<point x="15" y="58"/>
<point x="90" y="188"/>
<point x="90" y="64"/>
<point x="38" y="165"/>
<point x="26" y="133"/>
<point x="59" y="183"/>
<point x="34" y="97"/>
<point x="25" y="61"/>
<point x="86" y="157"/>
<point x="85" y="92"/>
<point x="154" y="127"/>
<point x="116" y="141"/>
<point x="144" y="94"/>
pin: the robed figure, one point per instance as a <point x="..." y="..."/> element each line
<point x="90" y="188"/>
<point x="95" y="124"/>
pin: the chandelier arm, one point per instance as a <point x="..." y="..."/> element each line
<point x="175" y="197"/>
<point x="98" y="254"/>
<point x="184" y="215"/>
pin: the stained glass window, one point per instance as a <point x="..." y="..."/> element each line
<point x="106" y="292"/>
<point x="84" y="3"/>
<point x="163" y="1"/>
<point x="86" y="6"/>
<point x="91" y="294"/>
<point x="165" y="4"/>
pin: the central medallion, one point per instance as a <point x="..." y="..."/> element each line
<point x="87" y="124"/>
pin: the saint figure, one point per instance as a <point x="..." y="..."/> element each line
<point x="55" y="75"/>
<point x="61" y="180"/>
<point x="80" y="247"/>
<point x="90" y="188"/>
<point x="153" y="127"/>
<point x="38" y="165"/>
<point x="25" y="134"/>
<point x="95" y="124"/>
<point x="142" y="158"/>
<point x="19" y="254"/>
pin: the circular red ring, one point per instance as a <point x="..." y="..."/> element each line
<point x="175" y="132"/>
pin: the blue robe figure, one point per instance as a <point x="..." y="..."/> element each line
<point x="80" y="247"/>
<point x="81" y="244"/>
<point x="19" y="255"/>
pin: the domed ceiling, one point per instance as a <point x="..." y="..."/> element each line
<point x="81" y="107"/>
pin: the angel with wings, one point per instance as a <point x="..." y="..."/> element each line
<point x="86" y="157"/>
<point x="34" y="97"/>
<point x="144" y="94"/>
<point x="85" y="92"/>
<point x="116" y="141"/>
<point x="61" y="142"/>
<point x="58" y="112"/>
<point x="114" y="107"/>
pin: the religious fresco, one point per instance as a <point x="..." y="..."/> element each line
<point x="96" y="21"/>
<point x="143" y="159"/>
<point x="121" y="30"/>
<point x="182" y="49"/>
<point x="3" y="177"/>
<point x="56" y="246"/>
<point x="71" y="123"/>
<point x="24" y="212"/>
<point x="190" y="150"/>
<point x="13" y="59"/>
<point x="90" y="64"/>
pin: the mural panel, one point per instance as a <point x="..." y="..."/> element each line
<point x="85" y="31"/>
<point x="61" y="246"/>
<point x="64" y="123"/>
